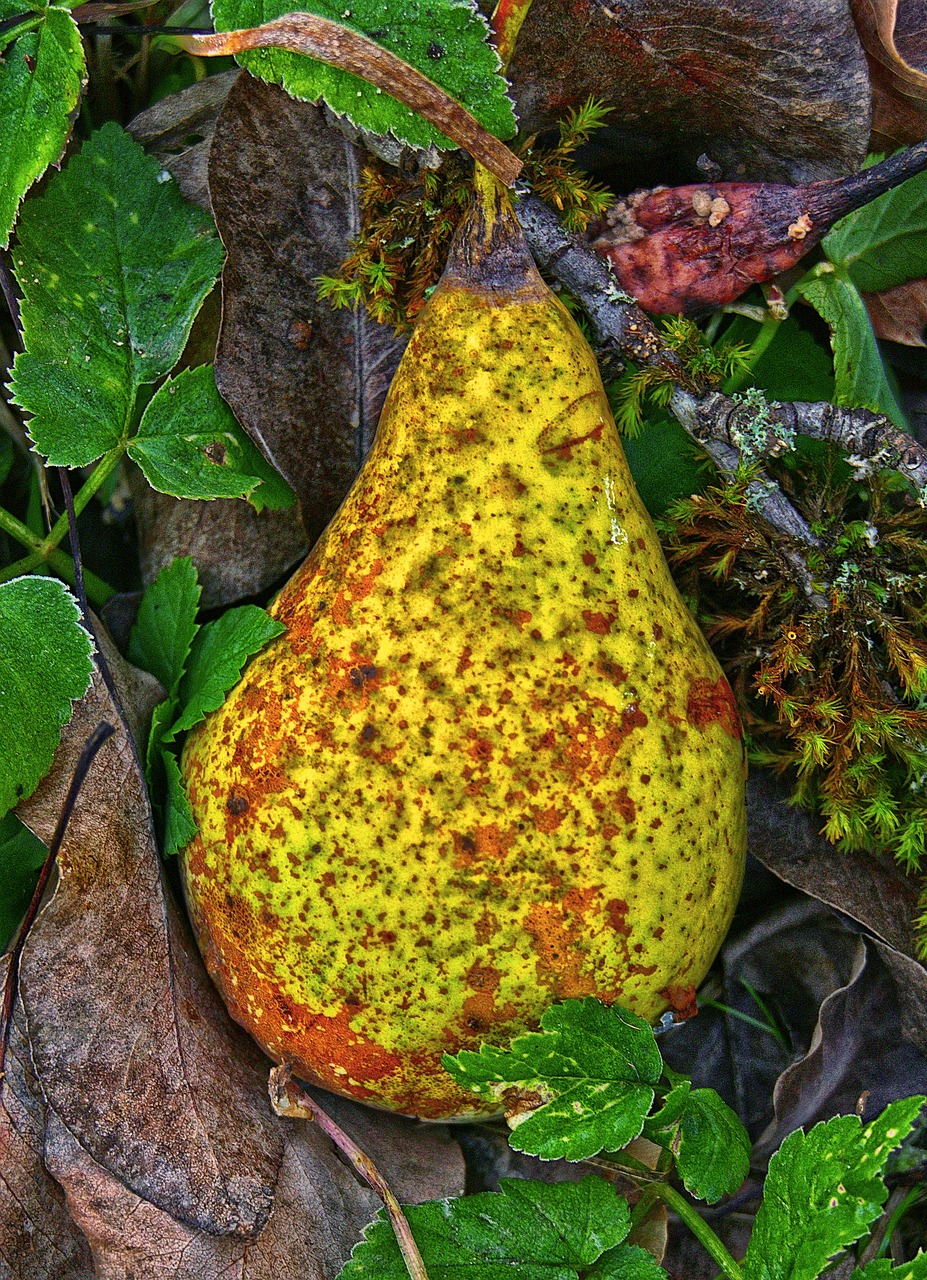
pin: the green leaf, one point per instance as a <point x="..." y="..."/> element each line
<point x="217" y="656"/>
<point x="21" y="858"/>
<point x="166" y="624"/>
<point x="190" y="445"/>
<point x="626" y="1262"/>
<point x="45" y="665"/>
<point x="885" y="242"/>
<point x="529" y="1231"/>
<point x="179" y="823"/>
<point x="444" y="39"/>
<point x="883" y="1269"/>
<point x="713" y="1156"/>
<point x="795" y="366"/>
<point x="41" y="76"/>
<point x="592" y="1068"/>
<point x="861" y="381"/>
<point x="113" y="266"/>
<point x="823" y="1191"/>
<point x="665" y="464"/>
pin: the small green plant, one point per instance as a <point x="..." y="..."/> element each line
<point x="590" y="1082"/>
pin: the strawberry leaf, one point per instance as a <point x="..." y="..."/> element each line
<point x="581" y="1085"/>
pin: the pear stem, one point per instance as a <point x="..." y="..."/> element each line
<point x="288" y="1099"/>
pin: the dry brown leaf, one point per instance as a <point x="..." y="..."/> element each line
<point x="900" y="314"/>
<point x="38" y="1239"/>
<point x="775" y="90"/>
<point x="892" y="35"/>
<point x="130" y="1045"/>
<point x="306" y="381"/>
<point x="238" y="552"/>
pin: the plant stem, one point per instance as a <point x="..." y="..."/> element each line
<point x="100" y="474"/>
<point x="288" y="1099"/>
<point x="700" y="1229"/>
<point x="768" y="330"/>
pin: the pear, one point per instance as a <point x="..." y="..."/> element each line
<point x="492" y="763"/>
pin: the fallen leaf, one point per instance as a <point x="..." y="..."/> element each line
<point x="900" y="314"/>
<point x="893" y="37"/>
<point x="873" y="892"/>
<point x="772" y="89"/>
<point x="855" y="1050"/>
<point x="38" y="1239"/>
<point x="130" y="1045"/>
<point x="306" y="381"/>
<point x="238" y="552"/>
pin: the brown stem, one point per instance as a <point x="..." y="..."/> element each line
<point x="350" y="51"/>
<point x="288" y="1099"/>
<point x="828" y="201"/>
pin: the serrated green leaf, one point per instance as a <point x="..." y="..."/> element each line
<point x="41" y="76"/>
<point x="190" y="445"/>
<point x="713" y="1155"/>
<point x="531" y="1231"/>
<point x="217" y="656"/>
<point x="21" y="858"/>
<point x="823" y="1191"/>
<point x="166" y="624"/>
<point x="45" y="666"/>
<point x="795" y="366"/>
<point x="674" y="1104"/>
<point x="179" y="822"/>
<point x="885" y="242"/>
<point x="593" y="1067"/>
<point x="113" y="266"/>
<point x="859" y="373"/>
<point x="884" y="1269"/>
<point x="626" y="1262"/>
<point x="444" y="39"/>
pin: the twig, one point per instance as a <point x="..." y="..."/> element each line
<point x="101" y="733"/>
<point x="288" y="1099"/>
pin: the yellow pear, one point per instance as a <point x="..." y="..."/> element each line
<point x="492" y="762"/>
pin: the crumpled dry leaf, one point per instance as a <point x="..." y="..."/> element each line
<point x="306" y="381"/>
<point x="855" y="1051"/>
<point x="892" y="34"/>
<point x="38" y="1239"/>
<point x="128" y="1040"/>
<point x="238" y="552"/>
<point x="775" y="90"/>
<point x="153" y="1104"/>
<point x="900" y="314"/>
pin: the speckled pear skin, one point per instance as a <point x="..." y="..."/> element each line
<point x="492" y="763"/>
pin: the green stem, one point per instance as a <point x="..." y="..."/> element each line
<point x="768" y="330"/>
<point x="700" y="1229"/>
<point x="100" y="474"/>
<point x="29" y="23"/>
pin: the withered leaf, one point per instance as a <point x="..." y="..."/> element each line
<point x="900" y="314"/>
<point x="38" y="1239"/>
<point x="893" y="37"/>
<point x="775" y="90"/>
<point x="306" y="381"/>
<point x="873" y="892"/>
<point x="130" y="1045"/>
<point x="855" y="1051"/>
<point x="238" y="552"/>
